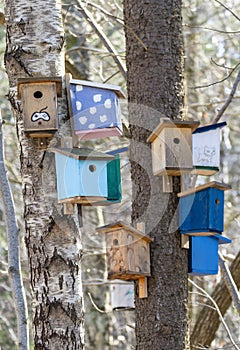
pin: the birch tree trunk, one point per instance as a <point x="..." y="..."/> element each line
<point x="35" y="37"/>
<point x="155" y="89"/>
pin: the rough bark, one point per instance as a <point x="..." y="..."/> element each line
<point x="155" y="88"/>
<point x="202" y="334"/>
<point x="34" y="36"/>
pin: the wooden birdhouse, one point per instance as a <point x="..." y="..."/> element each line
<point x="206" y="149"/>
<point x="95" y="109"/>
<point x="172" y="147"/>
<point x="39" y="102"/>
<point x="122" y="295"/>
<point x="81" y="175"/>
<point x="201" y="209"/>
<point x="203" y="254"/>
<point x="128" y="252"/>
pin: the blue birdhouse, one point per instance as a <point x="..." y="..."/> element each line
<point x="201" y="209"/>
<point x="81" y="175"/>
<point x="206" y="149"/>
<point x="203" y="254"/>
<point x="95" y="109"/>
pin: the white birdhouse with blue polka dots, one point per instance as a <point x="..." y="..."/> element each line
<point x="95" y="109"/>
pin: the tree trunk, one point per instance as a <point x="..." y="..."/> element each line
<point x="34" y="35"/>
<point x="155" y="88"/>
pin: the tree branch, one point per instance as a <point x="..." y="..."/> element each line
<point x="14" y="268"/>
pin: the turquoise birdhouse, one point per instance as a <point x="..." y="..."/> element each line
<point x="201" y="209"/>
<point x="95" y="109"/>
<point x="203" y="254"/>
<point x="81" y="175"/>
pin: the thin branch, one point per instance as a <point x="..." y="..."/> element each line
<point x="230" y="283"/>
<point x="228" y="100"/>
<point x="219" y="313"/>
<point x="228" y="9"/>
<point x="14" y="267"/>
<point x="212" y="29"/>
<point x="95" y="306"/>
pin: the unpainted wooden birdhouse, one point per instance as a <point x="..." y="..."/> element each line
<point x="203" y="254"/>
<point x="171" y="143"/>
<point x="128" y="251"/>
<point x="206" y="149"/>
<point x="201" y="209"/>
<point x="94" y="108"/>
<point x="39" y="102"/>
<point x="81" y="175"/>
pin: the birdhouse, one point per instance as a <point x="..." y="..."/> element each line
<point x="122" y="295"/>
<point x="201" y="209"/>
<point x="95" y="109"/>
<point x="206" y="149"/>
<point x="171" y="143"/>
<point x="128" y="252"/>
<point x="203" y="254"/>
<point x="39" y="102"/>
<point x="81" y="175"/>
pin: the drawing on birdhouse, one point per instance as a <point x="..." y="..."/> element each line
<point x="203" y="254"/>
<point x="206" y="149"/>
<point x="94" y="108"/>
<point x="207" y="199"/>
<point x="81" y="175"/>
<point x="171" y="143"/>
<point x="122" y="295"/>
<point x="128" y="251"/>
<point x="39" y="101"/>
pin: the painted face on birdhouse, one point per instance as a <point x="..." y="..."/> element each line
<point x="41" y="115"/>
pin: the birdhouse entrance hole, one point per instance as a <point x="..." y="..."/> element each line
<point x="92" y="168"/>
<point x="38" y="94"/>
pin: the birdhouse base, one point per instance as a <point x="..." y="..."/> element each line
<point x="199" y="233"/>
<point x="204" y="171"/>
<point x="172" y="171"/>
<point x="42" y="134"/>
<point x="98" y="133"/>
<point x="82" y="200"/>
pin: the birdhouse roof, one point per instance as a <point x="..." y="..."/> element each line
<point x="222" y="239"/>
<point x="117" y="89"/>
<point x="220" y="185"/>
<point x="39" y="80"/>
<point x="209" y="127"/>
<point x="82" y="153"/>
<point x="169" y="123"/>
<point x="119" y="225"/>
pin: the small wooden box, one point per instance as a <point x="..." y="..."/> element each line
<point x="206" y="149"/>
<point x="81" y="175"/>
<point x="203" y="254"/>
<point x="128" y="251"/>
<point x="122" y="295"/>
<point x="95" y="109"/>
<point x="172" y="147"/>
<point x="39" y="100"/>
<point x="201" y="209"/>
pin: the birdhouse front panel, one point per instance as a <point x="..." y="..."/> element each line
<point x="201" y="210"/>
<point x="122" y="295"/>
<point x="95" y="109"/>
<point x="39" y="107"/>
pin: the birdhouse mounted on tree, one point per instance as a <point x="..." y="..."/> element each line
<point x="122" y="295"/>
<point x="206" y="149"/>
<point x="203" y="254"/>
<point x="172" y="147"/>
<point x="39" y="101"/>
<point x="95" y="109"/>
<point x="128" y="252"/>
<point x="81" y="175"/>
<point x="201" y="209"/>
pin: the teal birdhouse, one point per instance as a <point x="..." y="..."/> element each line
<point x="201" y="209"/>
<point x="82" y="175"/>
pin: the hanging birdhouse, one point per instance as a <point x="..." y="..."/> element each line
<point x="81" y="175"/>
<point x="128" y="251"/>
<point x="172" y="147"/>
<point x="122" y="295"/>
<point x="39" y="102"/>
<point x="203" y="254"/>
<point x="95" y="109"/>
<point x="206" y="149"/>
<point x="201" y="209"/>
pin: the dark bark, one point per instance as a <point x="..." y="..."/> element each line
<point x="155" y="89"/>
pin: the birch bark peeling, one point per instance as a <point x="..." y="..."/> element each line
<point x="34" y="35"/>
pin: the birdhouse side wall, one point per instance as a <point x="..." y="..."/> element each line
<point x="114" y="180"/>
<point x="206" y="148"/>
<point x="158" y="156"/>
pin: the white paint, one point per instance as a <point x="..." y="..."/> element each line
<point x="83" y="120"/>
<point x="78" y="105"/>
<point x="79" y="88"/>
<point x="206" y="148"/>
<point x="97" y="98"/>
<point x="91" y="126"/>
<point x="108" y="103"/>
<point x="103" y="118"/>
<point x="93" y="110"/>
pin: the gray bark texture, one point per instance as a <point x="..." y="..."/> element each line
<point x="34" y="36"/>
<point x="155" y="89"/>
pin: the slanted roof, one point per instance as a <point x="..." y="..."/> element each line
<point x="82" y="153"/>
<point x="209" y="127"/>
<point x="220" y="185"/>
